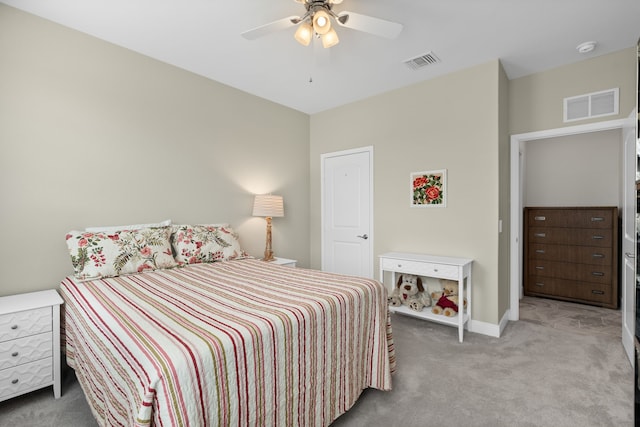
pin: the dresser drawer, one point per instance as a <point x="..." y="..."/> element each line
<point x="579" y="254"/>
<point x="571" y="236"/>
<point x="578" y="218"/>
<point x="421" y="268"/>
<point x="592" y="293"/>
<point x="25" y="350"/>
<point x="26" y="377"/>
<point x="571" y="271"/>
<point x="25" y="323"/>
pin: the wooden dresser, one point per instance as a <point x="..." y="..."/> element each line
<point x="572" y="254"/>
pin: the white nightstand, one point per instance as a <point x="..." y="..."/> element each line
<point x="29" y="343"/>
<point x="284" y="261"/>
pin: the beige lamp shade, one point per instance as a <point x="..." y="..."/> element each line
<point x="267" y="205"/>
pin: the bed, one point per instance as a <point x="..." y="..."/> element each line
<point x="237" y="342"/>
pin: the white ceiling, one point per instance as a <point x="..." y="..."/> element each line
<point x="203" y="36"/>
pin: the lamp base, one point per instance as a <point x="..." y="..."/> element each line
<point x="268" y="257"/>
<point x="268" y="253"/>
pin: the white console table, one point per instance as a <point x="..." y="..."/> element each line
<point x="431" y="266"/>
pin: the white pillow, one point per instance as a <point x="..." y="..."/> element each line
<point x="113" y="228"/>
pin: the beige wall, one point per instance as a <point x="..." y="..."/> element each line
<point x="504" y="242"/>
<point x="536" y="101"/>
<point x="577" y="170"/>
<point x="93" y="134"/>
<point x="447" y="123"/>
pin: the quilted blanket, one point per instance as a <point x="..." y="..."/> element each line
<point x="236" y="343"/>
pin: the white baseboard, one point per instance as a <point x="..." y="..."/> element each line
<point x="489" y="329"/>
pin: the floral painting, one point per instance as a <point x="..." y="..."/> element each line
<point x="428" y="189"/>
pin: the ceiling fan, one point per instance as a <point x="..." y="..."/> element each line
<point x="317" y="21"/>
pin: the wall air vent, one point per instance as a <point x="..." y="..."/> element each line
<point x="421" y="61"/>
<point x="590" y="105"/>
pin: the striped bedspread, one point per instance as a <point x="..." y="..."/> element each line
<point x="236" y="343"/>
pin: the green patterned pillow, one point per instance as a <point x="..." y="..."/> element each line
<point x="109" y="254"/>
<point x="193" y="244"/>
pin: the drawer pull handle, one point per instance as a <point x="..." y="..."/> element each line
<point x="539" y="267"/>
<point x="598" y="255"/>
<point x="597" y="292"/>
<point x="399" y="265"/>
<point x="14" y="354"/>
<point x="435" y="269"/>
<point x="539" y="284"/>
<point x="540" y="218"/>
<point x="15" y="381"/>
<point x="597" y="273"/>
<point x="540" y="251"/>
<point x="14" y="327"/>
<point x="597" y="219"/>
<point x="540" y="234"/>
<point x="598" y="237"/>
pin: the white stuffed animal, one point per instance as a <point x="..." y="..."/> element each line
<point x="409" y="291"/>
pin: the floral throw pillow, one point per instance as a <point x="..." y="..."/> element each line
<point x="193" y="244"/>
<point x="109" y="254"/>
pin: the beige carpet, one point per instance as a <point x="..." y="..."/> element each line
<point x="562" y="365"/>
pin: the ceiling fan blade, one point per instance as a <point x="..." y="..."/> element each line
<point x="263" y="30"/>
<point x="369" y="24"/>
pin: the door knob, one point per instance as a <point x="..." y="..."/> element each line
<point x="364" y="236"/>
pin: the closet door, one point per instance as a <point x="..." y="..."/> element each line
<point x="628" y="274"/>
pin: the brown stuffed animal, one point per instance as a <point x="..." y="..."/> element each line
<point x="447" y="300"/>
<point x="409" y="291"/>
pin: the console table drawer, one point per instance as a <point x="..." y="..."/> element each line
<point x="421" y="268"/>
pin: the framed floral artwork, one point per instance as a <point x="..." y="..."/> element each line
<point x="429" y="189"/>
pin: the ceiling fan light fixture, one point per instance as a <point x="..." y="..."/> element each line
<point x="330" y="39"/>
<point x="304" y="34"/>
<point x="321" y="22"/>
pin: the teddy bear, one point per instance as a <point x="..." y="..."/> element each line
<point x="446" y="300"/>
<point x="409" y="291"/>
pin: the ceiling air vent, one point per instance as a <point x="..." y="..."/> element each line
<point x="590" y="105"/>
<point x="421" y="61"/>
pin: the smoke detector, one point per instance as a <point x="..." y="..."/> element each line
<point x="586" y="47"/>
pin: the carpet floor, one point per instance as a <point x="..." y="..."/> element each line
<point x="561" y="365"/>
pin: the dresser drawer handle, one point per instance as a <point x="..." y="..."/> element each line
<point x="539" y="284"/>
<point x="597" y="273"/>
<point x="14" y="327"/>
<point x="540" y="251"/>
<point x="598" y="255"/>
<point x="598" y="237"/>
<point x="540" y="234"/>
<point x="538" y="267"/>
<point x="14" y="354"/>
<point x="399" y="265"/>
<point x="597" y="292"/>
<point x="540" y="218"/>
<point x="15" y="381"/>
<point x="597" y="219"/>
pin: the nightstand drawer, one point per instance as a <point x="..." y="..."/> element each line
<point x="22" y="378"/>
<point x="421" y="268"/>
<point x="25" y="350"/>
<point x="25" y="323"/>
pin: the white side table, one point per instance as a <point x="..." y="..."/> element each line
<point x="439" y="267"/>
<point x="284" y="261"/>
<point x="29" y="343"/>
